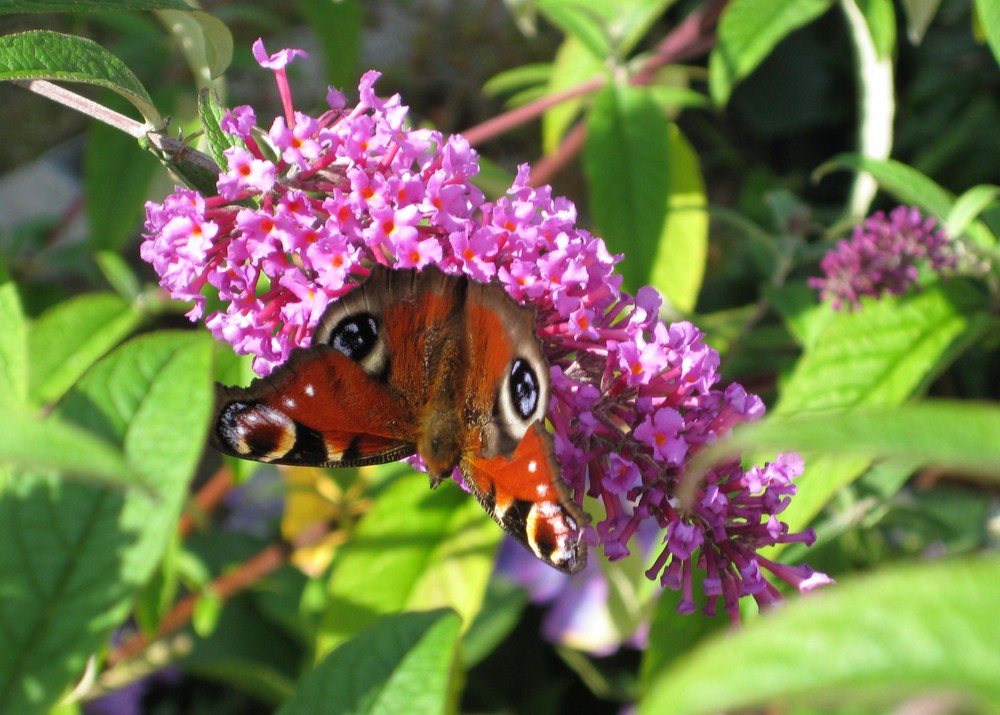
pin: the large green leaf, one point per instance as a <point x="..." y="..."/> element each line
<point x="748" y="31"/>
<point x="32" y="444"/>
<point x="41" y="54"/>
<point x="927" y="628"/>
<point x="959" y="436"/>
<point x="425" y="549"/>
<point x="679" y="266"/>
<point x="70" y="337"/>
<point x="403" y="664"/>
<point x="878" y="356"/>
<point x="73" y="554"/>
<point x="627" y="162"/>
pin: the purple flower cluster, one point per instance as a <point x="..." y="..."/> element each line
<point x="303" y="209"/>
<point x="882" y="256"/>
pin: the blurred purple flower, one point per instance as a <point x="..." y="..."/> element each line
<point x="883" y="256"/>
<point x="632" y="397"/>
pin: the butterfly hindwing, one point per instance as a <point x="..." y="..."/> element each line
<point x="526" y="496"/>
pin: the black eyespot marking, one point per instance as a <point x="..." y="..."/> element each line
<point x="524" y="388"/>
<point x="355" y="336"/>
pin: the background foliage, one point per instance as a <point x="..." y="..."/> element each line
<point x="721" y="147"/>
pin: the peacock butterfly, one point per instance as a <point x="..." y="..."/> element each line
<point x="420" y="363"/>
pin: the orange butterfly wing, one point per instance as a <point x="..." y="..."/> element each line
<point x="319" y="409"/>
<point x="526" y="496"/>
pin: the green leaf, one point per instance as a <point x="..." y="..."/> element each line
<point x="204" y="39"/>
<point x="116" y="175"/>
<point x="870" y="643"/>
<point x="72" y="555"/>
<point x="919" y="14"/>
<point x="960" y="436"/>
<point x="71" y="336"/>
<point x="582" y="20"/>
<point x="627" y="162"/>
<point x="909" y="186"/>
<point x="424" y="549"/>
<point x="968" y="206"/>
<point x="31" y="444"/>
<point x="881" y="20"/>
<point x="13" y="344"/>
<point x="40" y="54"/>
<point x="527" y="76"/>
<point x="606" y="27"/>
<point x="988" y="14"/>
<point x="119" y="274"/>
<point x="883" y="353"/>
<point x="905" y="183"/>
<point x="210" y="112"/>
<point x="336" y="27"/>
<point x="402" y="664"/>
<point x="679" y="266"/>
<point x="503" y="606"/>
<point x="748" y="31"/>
<point x="573" y="65"/>
<point x="876" y="357"/>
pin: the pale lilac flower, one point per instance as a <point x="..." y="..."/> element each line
<point x="633" y="398"/>
<point x="883" y="256"/>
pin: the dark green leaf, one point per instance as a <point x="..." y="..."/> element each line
<point x="117" y="175"/>
<point x="402" y="664"/>
<point x="927" y="628"/>
<point x="337" y="29"/>
<point x="748" y="31"/>
<point x="627" y="161"/>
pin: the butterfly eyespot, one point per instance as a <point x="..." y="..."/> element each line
<point x="355" y="336"/>
<point x="524" y="388"/>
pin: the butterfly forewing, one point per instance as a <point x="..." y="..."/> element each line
<point x="307" y="413"/>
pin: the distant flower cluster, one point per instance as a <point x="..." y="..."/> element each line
<point x="883" y="256"/>
<point x="305" y="206"/>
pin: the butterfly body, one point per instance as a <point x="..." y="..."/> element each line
<point x="420" y="363"/>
